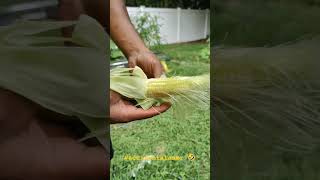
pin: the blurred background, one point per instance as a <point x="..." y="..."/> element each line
<point x="266" y="89"/>
<point x="263" y="22"/>
<point x="11" y="10"/>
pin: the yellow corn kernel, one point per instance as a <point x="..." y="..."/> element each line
<point x="164" y="87"/>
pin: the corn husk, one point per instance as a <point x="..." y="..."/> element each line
<point x="179" y="91"/>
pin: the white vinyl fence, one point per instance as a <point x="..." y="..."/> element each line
<point x="178" y="25"/>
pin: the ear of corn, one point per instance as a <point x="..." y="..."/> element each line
<point x="184" y="91"/>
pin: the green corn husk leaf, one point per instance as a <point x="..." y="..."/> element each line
<point x="67" y="80"/>
<point x="134" y="84"/>
<point x="133" y="87"/>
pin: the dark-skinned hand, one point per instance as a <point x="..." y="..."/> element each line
<point x="148" y="62"/>
<point x="123" y="111"/>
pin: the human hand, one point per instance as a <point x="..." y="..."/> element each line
<point x="123" y="111"/>
<point x="148" y="62"/>
<point x="38" y="148"/>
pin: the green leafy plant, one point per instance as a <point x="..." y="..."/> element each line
<point x="148" y="27"/>
<point x="205" y="52"/>
<point x="115" y="52"/>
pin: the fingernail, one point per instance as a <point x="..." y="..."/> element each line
<point x="163" y="75"/>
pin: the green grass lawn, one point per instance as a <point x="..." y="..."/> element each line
<point x="167" y="134"/>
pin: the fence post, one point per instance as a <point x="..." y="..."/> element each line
<point x="207" y="12"/>
<point x="178" y="23"/>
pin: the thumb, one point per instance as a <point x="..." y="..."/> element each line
<point x="158" y="70"/>
<point x="132" y="62"/>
